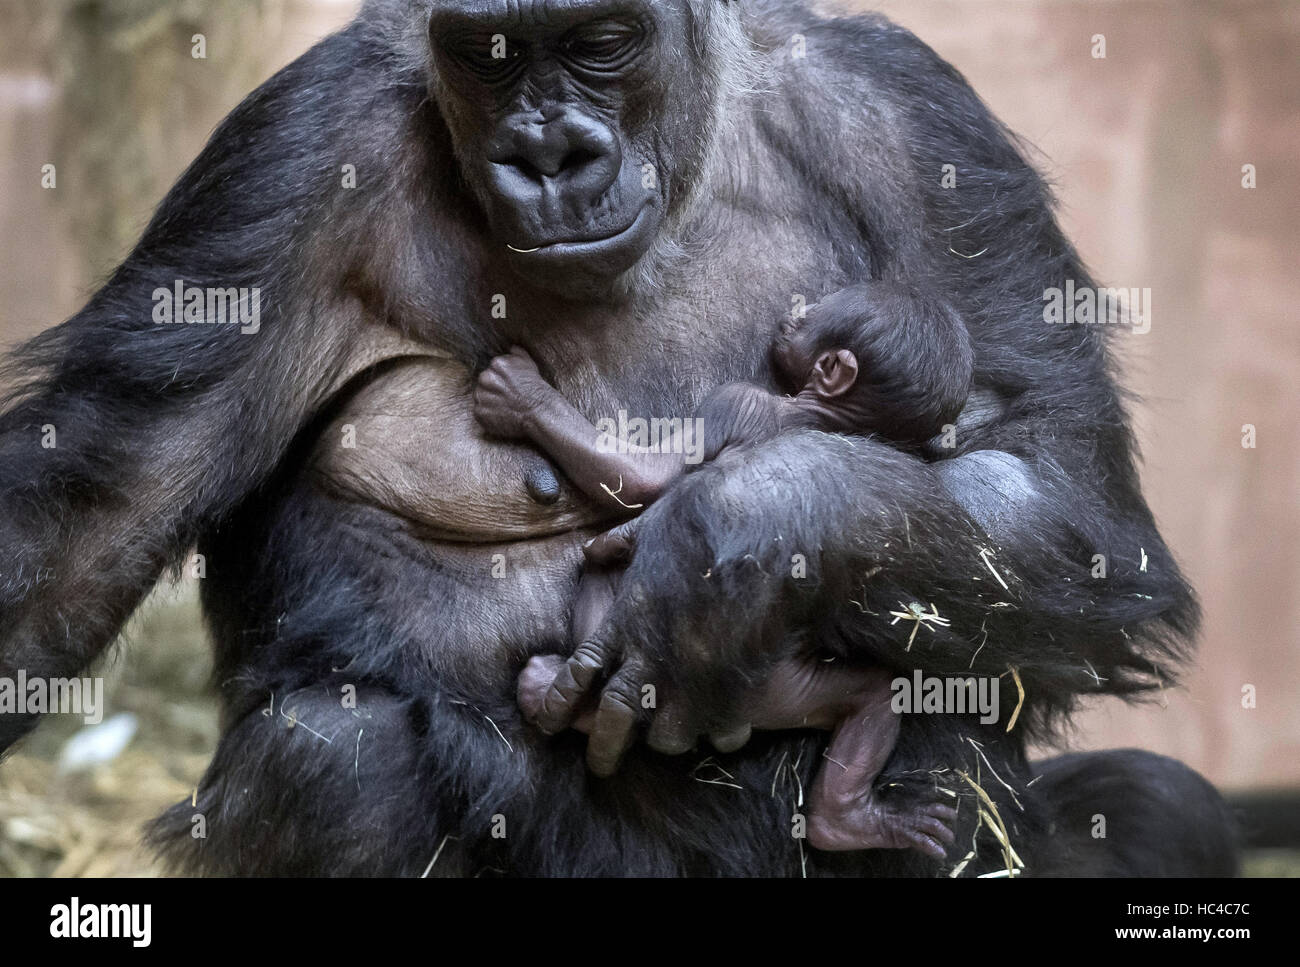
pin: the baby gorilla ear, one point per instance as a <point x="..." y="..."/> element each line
<point x="834" y="373"/>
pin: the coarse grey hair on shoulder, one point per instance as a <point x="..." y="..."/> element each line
<point x="728" y="56"/>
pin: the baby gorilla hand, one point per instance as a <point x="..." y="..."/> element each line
<point x="509" y="393"/>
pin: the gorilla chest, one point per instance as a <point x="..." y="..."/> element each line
<point x="415" y="450"/>
<point x="699" y="319"/>
<point x="710" y="320"/>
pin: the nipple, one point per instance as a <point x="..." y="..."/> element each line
<point x="541" y="482"/>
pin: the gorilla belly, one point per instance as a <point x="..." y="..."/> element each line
<point x="408" y="443"/>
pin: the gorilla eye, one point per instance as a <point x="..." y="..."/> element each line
<point x="489" y="58"/>
<point x="603" y="47"/>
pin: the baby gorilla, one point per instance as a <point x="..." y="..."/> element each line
<point x="875" y="358"/>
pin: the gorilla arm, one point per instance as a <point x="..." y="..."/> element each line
<point x="710" y="599"/>
<point x="127" y="437"/>
<point x="513" y="401"/>
<point x="400" y="431"/>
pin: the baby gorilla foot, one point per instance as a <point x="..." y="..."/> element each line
<point x="534" y="681"/>
<point x="533" y="684"/>
<point x="845" y="823"/>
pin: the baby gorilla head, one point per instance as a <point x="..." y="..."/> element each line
<point x="818" y="355"/>
<point x="874" y="358"/>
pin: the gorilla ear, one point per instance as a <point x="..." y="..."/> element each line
<point x="834" y="373"/>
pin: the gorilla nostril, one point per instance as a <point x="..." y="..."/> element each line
<point x="554" y="166"/>
<point x="579" y="158"/>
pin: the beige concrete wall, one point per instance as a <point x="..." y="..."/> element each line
<point x="1146" y="147"/>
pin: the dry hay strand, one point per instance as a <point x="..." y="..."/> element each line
<point x="1020" y="689"/>
<point x="789" y="771"/>
<point x="957" y="870"/>
<point x="990" y="816"/>
<point x="710" y="763"/>
<point x="979" y="749"/>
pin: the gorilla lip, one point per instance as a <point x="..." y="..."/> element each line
<point x="585" y="246"/>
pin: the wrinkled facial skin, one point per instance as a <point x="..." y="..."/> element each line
<point x="555" y="110"/>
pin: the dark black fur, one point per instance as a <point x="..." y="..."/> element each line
<point x="176" y="435"/>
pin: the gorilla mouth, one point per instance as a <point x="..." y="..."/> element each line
<point x="588" y="247"/>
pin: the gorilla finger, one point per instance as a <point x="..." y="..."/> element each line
<point x="936" y="829"/>
<point x="942" y="812"/>
<point x="585" y="722"/>
<point x="731" y="739"/>
<point x="616" y="720"/>
<point x="670" y="732"/>
<point x="571" y="684"/>
<point x="615" y="547"/>
<point x="926" y="845"/>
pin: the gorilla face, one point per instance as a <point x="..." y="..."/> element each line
<point x="569" y="120"/>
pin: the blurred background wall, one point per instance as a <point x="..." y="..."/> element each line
<point x="1146" y="147"/>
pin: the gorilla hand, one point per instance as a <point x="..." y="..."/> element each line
<point x="702" y="611"/>
<point x="846" y="812"/>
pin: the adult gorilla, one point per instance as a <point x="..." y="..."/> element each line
<point x="636" y="192"/>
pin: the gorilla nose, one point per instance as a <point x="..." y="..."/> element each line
<point x="572" y="151"/>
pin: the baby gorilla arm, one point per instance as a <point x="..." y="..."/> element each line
<point x="512" y="400"/>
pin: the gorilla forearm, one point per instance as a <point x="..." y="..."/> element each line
<point x="95" y="519"/>
<point x="878" y="530"/>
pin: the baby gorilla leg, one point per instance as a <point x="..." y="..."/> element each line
<point x="596" y="592"/>
<point x="845" y="810"/>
